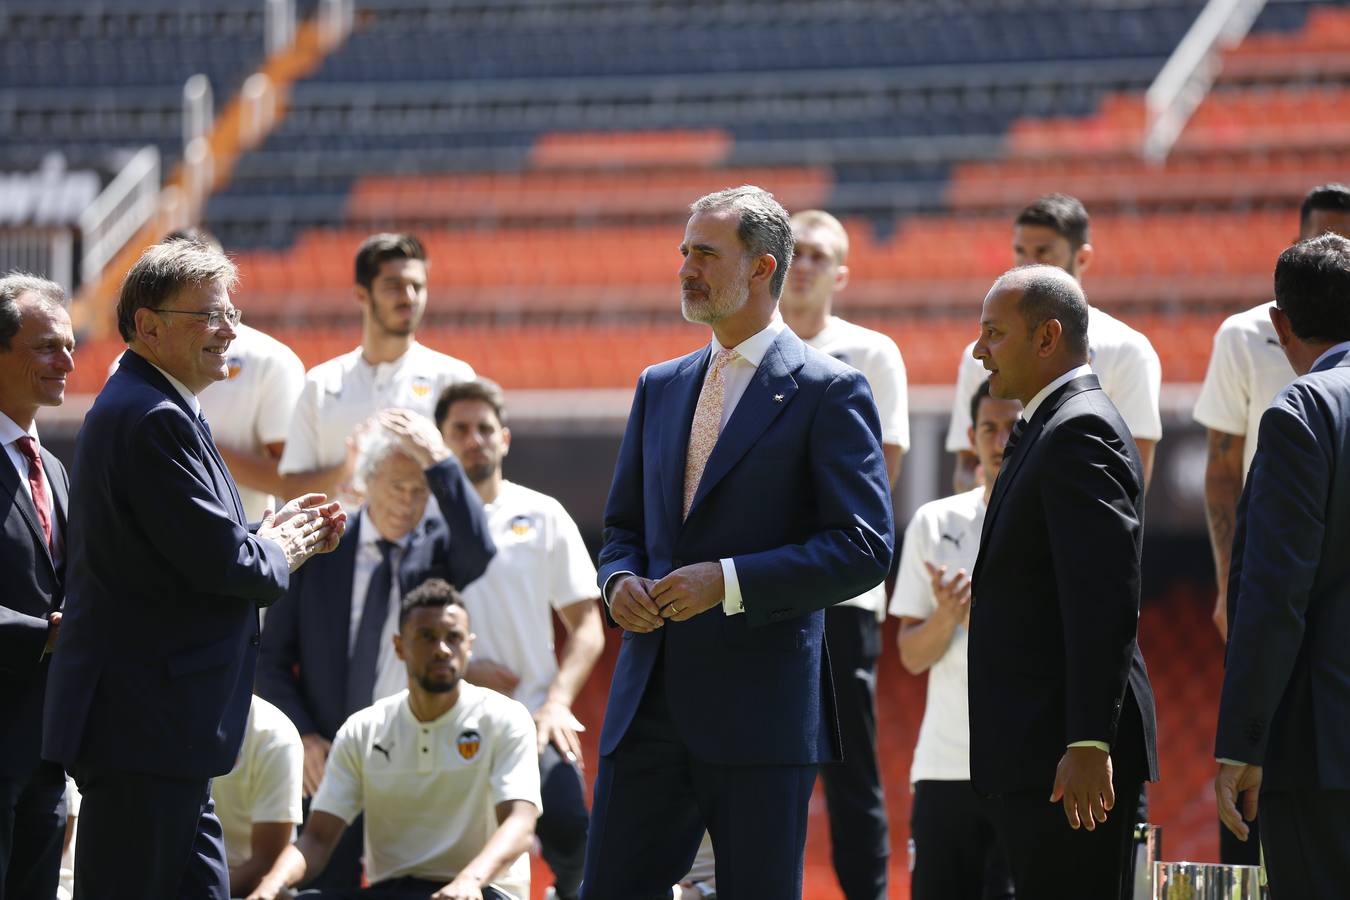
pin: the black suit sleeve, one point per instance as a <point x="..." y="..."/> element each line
<point x="471" y="547"/>
<point x="1283" y="527"/>
<point x="22" y="640"/>
<point x="279" y="654"/>
<point x="1089" y="497"/>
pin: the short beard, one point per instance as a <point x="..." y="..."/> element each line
<point x="436" y="687"/>
<point x="390" y="330"/>
<point x="720" y="304"/>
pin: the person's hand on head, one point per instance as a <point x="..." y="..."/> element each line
<point x="417" y="434"/>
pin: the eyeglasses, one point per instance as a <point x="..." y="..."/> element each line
<point x="214" y="319"/>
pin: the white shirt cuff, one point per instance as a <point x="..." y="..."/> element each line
<point x="1230" y="762"/>
<point x="1100" y="745"/>
<point x="604" y="592"/>
<point x="731" y="597"/>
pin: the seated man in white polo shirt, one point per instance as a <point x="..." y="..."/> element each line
<point x="446" y="773"/>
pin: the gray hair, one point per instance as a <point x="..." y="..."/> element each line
<point x="763" y="227"/>
<point x="16" y="284"/>
<point x="377" y="446"/>
<point x="1048" y="292"/>
<point x="165" y="269"/>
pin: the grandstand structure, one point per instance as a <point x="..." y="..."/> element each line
<point x="546" y="150"/>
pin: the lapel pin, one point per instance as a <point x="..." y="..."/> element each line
<point x="777" y="398"/>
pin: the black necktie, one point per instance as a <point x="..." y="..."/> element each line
<point x="1018" y="427"/>
<point x="201" y="417"/>
<point x="361" y="670"/>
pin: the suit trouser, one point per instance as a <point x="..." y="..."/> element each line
<point x="143" y="837"/>
<point x="1306" y="839"/>
<point x="1050" y="860"/>
<point x="32" y="825"/>
<point x="393" y="889"/>
<point x="1234" y="852"/>
<point x="955" y="853"/>
<point x="561" y="828"/>
<point x="859" y="836"/>
<point x="653" y="798"/>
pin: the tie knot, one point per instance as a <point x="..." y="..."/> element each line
<point x="28" y="447"/>
<point x="386" y="548"/>
<point x="721" y="358"/>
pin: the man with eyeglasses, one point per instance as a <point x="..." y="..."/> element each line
<point x="149" y="689"/>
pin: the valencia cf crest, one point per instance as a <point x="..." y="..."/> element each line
<point x="421" y="386"/>
<point x="521" y="525"/>
<point x="468" y="744"/>
<point x="234" y="365"/>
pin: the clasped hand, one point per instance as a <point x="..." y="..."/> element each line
<point x="642" y="605"/>
<point x="304" y="527"/>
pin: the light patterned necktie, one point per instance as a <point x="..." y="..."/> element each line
<point x="706" y="426"/>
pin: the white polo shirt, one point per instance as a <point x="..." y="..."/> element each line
<point x="1246" y="370"/>
<point x="253" y="406"/>
<point x="1124" y="361"/>
<point x="945" y="532"/>
<point x="430" y="790"/>
<point x="266" y="782"/>
<point x="345" y="391"/>
<point x="541" y="565"/>
<point x="878" y="358"/>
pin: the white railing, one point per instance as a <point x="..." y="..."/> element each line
<point x="278" y="25"/>
<point x="258" y="101"/>
<point x="1184" y="81"/>
<point x="125" y="205"/>
<point x="336" y="18"/>
<point x="48" y="252"/>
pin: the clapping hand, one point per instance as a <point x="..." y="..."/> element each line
<point x="304" y="527"/>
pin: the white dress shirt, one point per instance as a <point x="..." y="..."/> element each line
<point x="391" y="676"/>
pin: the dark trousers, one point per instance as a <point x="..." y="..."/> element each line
<point x="954" y="849"/>
<point x="859" y="837"/>
<point x="1307" y="843"/>
<point x="1234" y="852"/>
<point x="143" y="837"/>
<point x="393" y="889"/>
<point x="32" y="824"/>
<point x="653" y="798"/>
<point x="561" y="828"/>
<point x="343" y="871"/>
<point x="1050" y="860"/>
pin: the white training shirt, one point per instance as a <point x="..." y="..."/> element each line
<point x="430" y="790"/>
<point x="1124" y="360"/>
<point x="253" y="406"/>
<point x="345" y="391"/>
<point x="541" y="565"/>
<point x="1246" y="370"/>
<point x="878" y="358"/>
<point x="945" y="532"/>
<point x="266" y="782"/>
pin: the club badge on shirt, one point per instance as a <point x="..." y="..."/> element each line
<point x="468" y="744"/>
<point x="421" y="386"/>
<point x="522" y="525"/>
<point x="234" y="365"/>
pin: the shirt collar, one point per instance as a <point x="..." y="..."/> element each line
<point x="181" y="388"/>
<point x="11" y="432"/>
<point x="753" y="348"/>
<point x="1035" y="404"/>
<point x="1342" y="347"/>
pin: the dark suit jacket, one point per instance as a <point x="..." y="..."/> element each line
<point x="302" y="667"/>
<point x="1286" y="688"/>
<point x="795" y="491"/>
<point x="34" y="587"/>
<point x="153" y="671"/>
<point x="1053" y="653"/>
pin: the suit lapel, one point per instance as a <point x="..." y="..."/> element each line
<point x="9" y="480"/>
<point x="678" y="399"/>
<point x="769" y="393"/>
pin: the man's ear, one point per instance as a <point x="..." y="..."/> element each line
<point x="1082" y="259"/>
<point x="506" y="440"/>
<point x="361" y="294"/>
<point x="840" y="278"/>
<point x="398" y="646"/>
<point x="1283" y="327"/>
<point x="764" y="267"/>
<point x="1048" y="335"/>
<point x="147" y="324"/>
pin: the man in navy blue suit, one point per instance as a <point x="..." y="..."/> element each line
<point x="327" y="648"/>
<point x="749" y="495"/>
<point x="36" y="344"/>
<point x="1284" y="716"/>
<point x="149" y="688"/>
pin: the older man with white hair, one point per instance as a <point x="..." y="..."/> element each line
<point x="327" y="647"/>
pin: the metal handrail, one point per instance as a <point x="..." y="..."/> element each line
<point x="126" y="204"/>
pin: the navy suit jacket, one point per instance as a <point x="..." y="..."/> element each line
<point x="795" y="492"/>
<point x="1286" y="689"/>
<point x="34" y="587"/>
<point x="1054" y="657"/>
<point x="154" y="667"/>
<point x="302" y="668"/>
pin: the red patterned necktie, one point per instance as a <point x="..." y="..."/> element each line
<point x="37" y="480"/>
